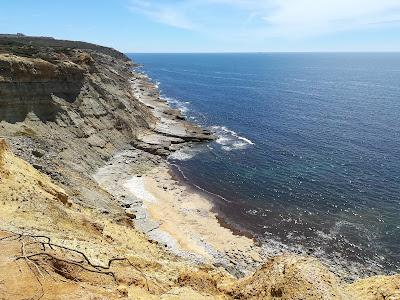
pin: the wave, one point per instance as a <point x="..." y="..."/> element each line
<point x="229" y="139"/>
<point x="185" y="153"/>
<point x="196" y="186"/>
<point x="183" y="106"/>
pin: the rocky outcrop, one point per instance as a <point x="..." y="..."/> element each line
<point x="375" y="288"/>
<point x="291" y="277"/>
<point x="69" y="87"/>
<point x="88" y="90"/>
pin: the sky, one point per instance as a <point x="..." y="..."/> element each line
<point x="212" y="25"/>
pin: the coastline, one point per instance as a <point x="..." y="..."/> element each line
<point x="184" y="218"/>
<point x="190" y="217"/>
<point x="166" y="219"/>
<point x="161" y="205"/>
<point x="173" y="215"/>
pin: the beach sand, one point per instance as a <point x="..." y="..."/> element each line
<point x="188" y="218"/>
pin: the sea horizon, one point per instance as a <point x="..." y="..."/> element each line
<point x="268" y="52"/>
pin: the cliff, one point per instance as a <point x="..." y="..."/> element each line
<point x="70" y="109"/>
<point x="67" y="107"/>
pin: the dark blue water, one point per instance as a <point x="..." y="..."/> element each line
<point x="308" y="154"/>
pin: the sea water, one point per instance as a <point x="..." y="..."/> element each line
<point x="307" y="155"/>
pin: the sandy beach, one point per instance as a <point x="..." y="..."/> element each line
<point x="187" y="216"/>
<point x="174" y="215"/>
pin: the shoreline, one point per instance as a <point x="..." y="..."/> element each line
<point x="164" y="207"/>
<point x="215" y="199"/>
<point x="173" y="215"/>
<point x="195" y="213"/>
<point x="147" y="92"/>
<point x="170" y="133"/>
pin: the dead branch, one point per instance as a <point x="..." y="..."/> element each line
<point x="32" y="259"/>
<point x="27" y="261"/>
<point x="78" y="264"/>
<point x="11" y="236"/>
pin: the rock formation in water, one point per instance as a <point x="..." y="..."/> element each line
<point x="65" y="109"/>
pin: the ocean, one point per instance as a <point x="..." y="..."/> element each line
<point x="307" y="156"/>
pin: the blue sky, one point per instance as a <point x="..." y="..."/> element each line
<point x="212" y="25"/>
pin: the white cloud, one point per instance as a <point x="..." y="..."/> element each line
<point x="168" y="14"/>
<point x="272" y="18"/>
<point x="309" y="18"/>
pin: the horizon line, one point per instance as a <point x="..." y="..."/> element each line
<point x="261" y="52"/>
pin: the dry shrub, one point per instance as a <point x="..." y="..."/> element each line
<point x="200" y="281"/>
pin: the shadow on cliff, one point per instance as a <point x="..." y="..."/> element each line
<point x="38" y="100"/>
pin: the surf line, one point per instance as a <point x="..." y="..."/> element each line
<point x="195" y="185"/>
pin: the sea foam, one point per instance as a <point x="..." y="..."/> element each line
<point x="229" y="139"/>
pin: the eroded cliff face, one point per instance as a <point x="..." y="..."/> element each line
<point x="69" y="87"/>
<point x="67" y="107"/>
<point x="29" y="85"/>
<point x="67" y="110"/>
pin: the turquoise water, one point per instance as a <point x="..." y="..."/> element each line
<point x="308" y="148"/>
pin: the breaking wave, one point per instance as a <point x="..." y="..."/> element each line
<point x="183" y="106"/>
<point x="229" y="139"/>
<point x="185" y="153"/>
